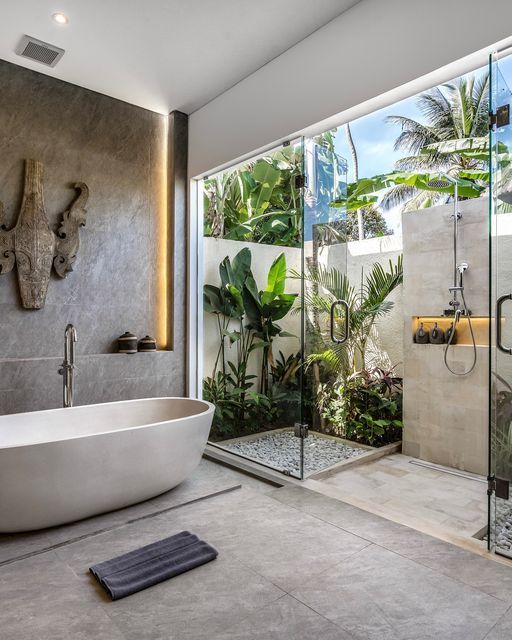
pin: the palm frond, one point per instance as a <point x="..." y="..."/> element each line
<point x="380" y="283"/>
<point x="414" y="135"/>
<point x="424" y="162"/>
<point x="397" y="195"/>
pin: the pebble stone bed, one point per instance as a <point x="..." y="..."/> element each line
<point x="281" y="450"/>
<point x="504" y="525"/>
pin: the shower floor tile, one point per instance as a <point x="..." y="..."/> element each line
<point x="452" y="507"/>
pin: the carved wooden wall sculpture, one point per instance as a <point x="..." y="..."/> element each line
<point x="32" y="246"/>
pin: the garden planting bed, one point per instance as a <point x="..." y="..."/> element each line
<point x="281" y="450"/>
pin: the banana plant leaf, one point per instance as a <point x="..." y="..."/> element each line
<point x="466" y="188"/>
<point x="268" y="177"/>
<point x="363" y="193"/>
<point x="474" y="148"/>
<point x="277" y="275"/>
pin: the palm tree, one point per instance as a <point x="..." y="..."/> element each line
<point x="366" y="304"/>
<point x="350" y="140"/>
<point x="363" y="221"/>
<point x="453" y="112"/>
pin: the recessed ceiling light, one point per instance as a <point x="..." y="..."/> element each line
<point x="60" y="18"/>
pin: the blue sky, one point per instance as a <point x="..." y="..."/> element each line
<point x="374" y="138"/>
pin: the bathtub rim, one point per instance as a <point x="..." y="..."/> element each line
<point x="210" y="409"/>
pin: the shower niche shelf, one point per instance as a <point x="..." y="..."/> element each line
<point x="480" y="329"/>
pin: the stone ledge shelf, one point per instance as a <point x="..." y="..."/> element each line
<point x="480" y="329"/>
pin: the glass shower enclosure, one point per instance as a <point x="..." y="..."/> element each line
<point x="270" y="226"/>
<point x="277" y="308"/>
<point x="500" y="382"/>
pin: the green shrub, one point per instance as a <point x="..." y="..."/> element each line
<point x="366" y="408"/>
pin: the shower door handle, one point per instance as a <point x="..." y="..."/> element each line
<point x="499" y="314"/>
<point x="344" y="304"/>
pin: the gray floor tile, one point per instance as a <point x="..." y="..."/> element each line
<point x="292" y="539"/>
<point x="379" y="595"/>
<point x="502" y="630"/>
<point x="81" y="555"/>
<point x="477" y="571"/>
<point x="285" y="618"/>
<point x="55" y="589"/>
<point x="41" y="599"/>
<point x="280" y="543"/>
<point x="216" y="470"/>
<point x="208" y="478"/>
<point x="13" y="546"/>
<point x="57" y="622"/>
<point x="195" y="605"/>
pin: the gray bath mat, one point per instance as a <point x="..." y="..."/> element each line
<point x="154" y="563"/>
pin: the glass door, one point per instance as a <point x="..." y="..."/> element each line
<point x="272" y="268"/>
<point x="250" y="336"/>
<point x="326" y="305"/>
<point x="500" y="441"/>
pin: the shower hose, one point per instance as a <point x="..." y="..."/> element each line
<point x="450" y="340"/>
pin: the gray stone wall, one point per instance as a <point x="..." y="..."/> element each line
<point x="118" y="150"/>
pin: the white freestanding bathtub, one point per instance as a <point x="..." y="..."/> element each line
<point x="63" y="465"/>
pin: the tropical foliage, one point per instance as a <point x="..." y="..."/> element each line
<point x="264" y="201"/>
<point x="366" y="407"/>
<point x="367" y="303"/>
<point x="246" y="319"/>
<point x="258" y="202"/>
<point x="452" y="139"/>
<point x="343" y="377"/>
<point x="501" y="424"/>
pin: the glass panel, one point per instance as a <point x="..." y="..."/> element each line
<point x="325" y="321"/>
<point x="251" y="335"/>
<point x="500" y="509"/>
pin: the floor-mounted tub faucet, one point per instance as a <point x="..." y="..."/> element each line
<point x="68" y="366"/>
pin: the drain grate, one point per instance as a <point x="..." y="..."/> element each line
<point x="449" y="470"/>
<point x="97" y="532"/>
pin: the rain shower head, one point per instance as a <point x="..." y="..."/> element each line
<point x="438" y="184"/>
<point x="442" y="182"/>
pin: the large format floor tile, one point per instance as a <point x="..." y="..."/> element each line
<point x="379" y="595"/>
<point x="292" y="564"/>
<point x="194" y="606"/>
<point x="41" y="599"/>
<point x="502" y="630"/>
<point x="285" y="618"/>
<point x="285" y="546"/>
<point x="490" y="577"/>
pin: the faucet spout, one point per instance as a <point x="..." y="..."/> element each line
<point x="68" y="365"/>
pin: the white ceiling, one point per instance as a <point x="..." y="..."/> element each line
<point x="163" y="54"/>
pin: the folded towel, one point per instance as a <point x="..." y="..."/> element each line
<point x="152" y="564"/>
<point x="133" y="558"/>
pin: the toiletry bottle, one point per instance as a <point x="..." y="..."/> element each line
<point x="448" y="335"/>
<point x="436" y="335"/>
<point x="421" y="335"/>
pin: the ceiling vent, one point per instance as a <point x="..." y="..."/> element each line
<point x="39" y="51"/>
